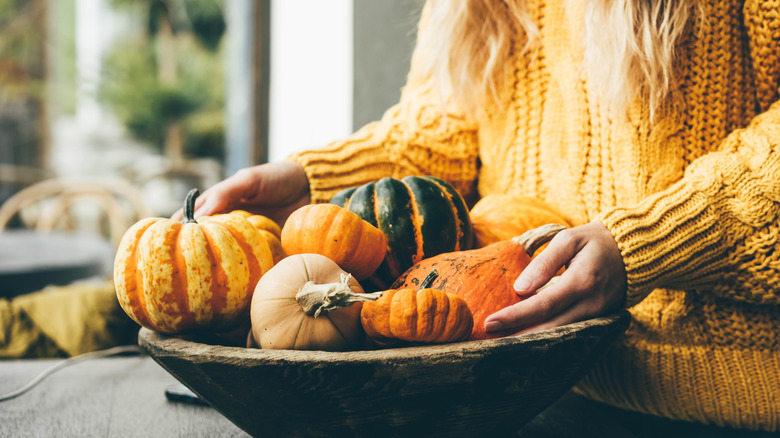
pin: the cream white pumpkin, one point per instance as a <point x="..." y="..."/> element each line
<point x="307" y="302"/>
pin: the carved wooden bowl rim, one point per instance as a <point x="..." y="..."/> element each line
<point x="185" y="347"/>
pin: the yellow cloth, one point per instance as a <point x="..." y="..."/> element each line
<point x="61" y="321"/>
<point x="693" y="199"/>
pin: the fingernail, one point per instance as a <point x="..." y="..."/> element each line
<point x="492" y="326"/>
<point x="522" y="284"/>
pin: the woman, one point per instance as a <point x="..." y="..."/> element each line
<point x="653" y="127"/>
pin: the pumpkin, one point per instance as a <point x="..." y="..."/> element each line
<point x="337" y="233"/>
<point x="260" y="222"/>
<point x="424" y="315"/>
<point x="269" y="229"/>
<point x="175" y="277"/>
<point x="498" y="217"/>
<point x="307" y="302"/>
<point x="483" y="277"/>
<point x="421" y="216"/>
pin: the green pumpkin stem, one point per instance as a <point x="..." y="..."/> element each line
<point x="188" y="216"/>
<point x="428" y="280"/>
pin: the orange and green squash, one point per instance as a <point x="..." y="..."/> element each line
<point x="421" y="216"/>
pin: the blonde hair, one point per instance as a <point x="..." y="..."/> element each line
<point x="473" y="40"/>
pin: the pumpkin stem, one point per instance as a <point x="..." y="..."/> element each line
<point x="428" y="280"/>
<point x="188" y="216"/>
<point x="532" y="240"/>
<point x="317" y="298"/>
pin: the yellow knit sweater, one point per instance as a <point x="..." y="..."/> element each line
<point x="692" y="199"/>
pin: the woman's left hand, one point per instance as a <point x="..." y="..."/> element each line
<point x="593" y="284"/>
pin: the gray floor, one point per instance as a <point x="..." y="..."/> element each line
<point x="107" y="397"/>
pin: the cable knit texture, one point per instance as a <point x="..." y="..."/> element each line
<point x="692" y="199"/>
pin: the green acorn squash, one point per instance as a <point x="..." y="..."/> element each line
<point x="421" y="216"/>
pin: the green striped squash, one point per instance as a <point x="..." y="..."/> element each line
<point x="421" y="216"/>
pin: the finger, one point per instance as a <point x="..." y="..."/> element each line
<point x="211" y="206"/>
<point x="537" y="308"/>
<point x="552" y="281"/>
<point x="219" y="198"/>
<point x="579" y="311"/>
<point x="546" y="265"/>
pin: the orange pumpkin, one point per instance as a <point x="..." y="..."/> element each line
<point x="337" y="233"/>
<point x="269" y="229"/>
<point x="483" y="277"/>
<point x="500" y="217"/>
<point x="424" y="315"/>
<point x="175" y="277"/>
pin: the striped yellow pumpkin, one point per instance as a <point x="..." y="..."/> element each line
<point x="176" y="277"/>
<point x="269" y="229"/>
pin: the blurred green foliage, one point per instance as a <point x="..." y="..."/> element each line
<point x="61" y="47"/>
<point x="208" y="25"/>
<point x="146" y="101"/>
<point x="21" y="49"/>
<point x="203" y="18"/>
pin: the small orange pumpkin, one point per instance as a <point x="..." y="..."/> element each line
<point x="337" y="233"/>
<point x="424" y="315"/>
<point x="483" y="277"/>
<point x="498" y="217"/>
<point x="175" y="277"/>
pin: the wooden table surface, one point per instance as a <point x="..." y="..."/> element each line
<point x="102" y="397"/>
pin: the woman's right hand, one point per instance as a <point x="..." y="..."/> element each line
<point x="273" y="190"/>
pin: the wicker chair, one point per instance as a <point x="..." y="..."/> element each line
<point x="59" y="203"/>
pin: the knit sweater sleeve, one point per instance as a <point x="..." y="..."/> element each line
<point x="418" y="136"/>
<point x="715" y="230"/>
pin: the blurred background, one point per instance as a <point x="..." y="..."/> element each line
<point x="173" y="94"/>
<point x="112" y="110"/>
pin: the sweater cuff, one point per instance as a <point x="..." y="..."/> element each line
<point x="408" y="141"/>
<point x="671" y="240"/>
<point x="330" y="172"/>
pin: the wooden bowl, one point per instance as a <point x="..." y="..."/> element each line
<point x="463" y="389"/>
